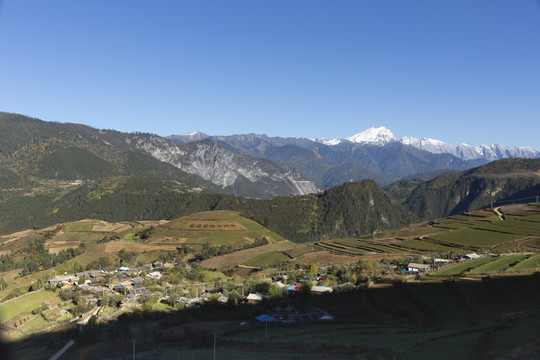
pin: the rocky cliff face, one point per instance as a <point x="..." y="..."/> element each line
<point x="235" y="173"/>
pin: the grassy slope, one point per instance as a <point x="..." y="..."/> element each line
<point x="25" y="303"/>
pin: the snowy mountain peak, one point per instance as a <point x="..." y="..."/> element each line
<point x="431" y="145"/>
<point x="329" y="142"/>
<point x="378" y="136"/>
<point x="196" y="135"/>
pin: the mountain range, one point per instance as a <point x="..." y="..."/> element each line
<point x="382" y="136"/>
<point x="52" y="172"/>
<point x="69" y="152"/>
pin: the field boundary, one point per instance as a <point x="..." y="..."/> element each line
<point x="23" y="295"/>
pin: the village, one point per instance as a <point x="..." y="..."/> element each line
<point x="111" y="291"/>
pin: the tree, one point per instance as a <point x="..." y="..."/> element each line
<point x="3" y="284"/>
<point x="104" y="301"/>
<point x="275" y="291"/>
<point x="305" y="288"/>
<point x="313" y="269"/>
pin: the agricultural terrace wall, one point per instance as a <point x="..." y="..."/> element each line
<point x="18" y="297"/>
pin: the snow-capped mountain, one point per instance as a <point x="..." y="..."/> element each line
<point x="191" y="137"/>
<point x="377" y="136"/>
<point x="374" y="136"/>
<point x="431" y="145"/>
<point x="382" y="136"/>
<point x="468" y="152"/>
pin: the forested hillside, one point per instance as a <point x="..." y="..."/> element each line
<point x="348" y="210"/>
<point x="455" y="192"/>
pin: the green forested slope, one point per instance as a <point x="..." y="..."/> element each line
<point x="347" y="210"/>
<point x="455" y="192"/>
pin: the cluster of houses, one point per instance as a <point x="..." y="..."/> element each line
<point x="95" y="283"/>
<point x="128" y="282"/>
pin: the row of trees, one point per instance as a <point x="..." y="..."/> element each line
<point x="34" y="257"/>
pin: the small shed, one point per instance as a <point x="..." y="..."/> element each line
<point x="321" y="289"/>
<point x="130" y="301"/>
<point x="254" y="298"/>
<point x="470" y="256"/>
<point x="265" y="318"/>
<point x="154" y="275"/>
<point x="414" y="267"/>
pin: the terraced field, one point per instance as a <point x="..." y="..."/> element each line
<point x="474" y="238"/>
<point x="359" y="247"/>
<point x="463" y="267"/>
<point x="270" y="258"/>
<point x="502" y="264"/>
<point x="531" y="263"/>
<point x="516" y="227"/>
<point x="415" y="244"/>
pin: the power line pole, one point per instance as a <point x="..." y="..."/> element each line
<point x="214" y="346"/>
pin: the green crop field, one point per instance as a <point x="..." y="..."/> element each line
<point x="365" y="245"/>
<point x="462" y="267"/>
<point x="530" y="264"/>
<point x="475" y="238"/>
<point x="271" y="258"/>
<point x="26" y="303"/>
<point x="499" y="265"/>
<point x="348" y="250"/>
<point x="227" y="228"/>
<point x="512" y="228"/>
<point x="79" y="226"/>
<point x="535" y="218"/>
<point x="128" y="234"/>
<point x="520" y="223"/>
<point x="424" y="245"/>
<point x="37" y="323"/>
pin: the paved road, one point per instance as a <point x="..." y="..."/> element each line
<point x="63" y="350"/>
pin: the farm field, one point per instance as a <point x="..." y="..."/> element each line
<point x="35" y="324"/>
<point x="243" y="256"/>
<point x="82" y="225"/>
<point x="227" y="228"/>
<point x="359" y="247"/>
<point x="415" y="244"/>
<point x="502" y="264"/>
<point x="531" y="263"/>
<point x="474" y="238"/>
<point x="336" y="248"/>
<point x="25" y="303"/>
<point x="506" y="228"/>
<point x="270" y="258"/>
<point x="463" y="267"/>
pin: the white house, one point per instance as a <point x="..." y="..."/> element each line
<point x="414" y="267"/>
<point x="254" y="298"/>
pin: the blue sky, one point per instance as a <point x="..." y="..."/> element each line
<point x="458" y="71"/>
